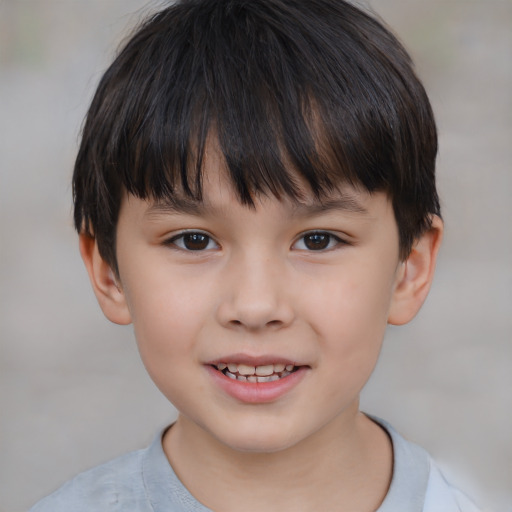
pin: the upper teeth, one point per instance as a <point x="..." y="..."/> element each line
<point x="244" y="370"/>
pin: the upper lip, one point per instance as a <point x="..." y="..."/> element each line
<point x="251" y="360"/>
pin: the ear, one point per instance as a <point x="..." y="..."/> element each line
<point x="108" y="292"/>
<point x="415" y="275"/>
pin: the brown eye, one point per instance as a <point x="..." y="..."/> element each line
<point x="196" y="241"/>
<point x="193" y="241"/>
<point x="317" y="241"/>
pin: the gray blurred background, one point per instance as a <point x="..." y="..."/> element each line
<point x="73" y="392"/>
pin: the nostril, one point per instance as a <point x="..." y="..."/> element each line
<point x="269" y="324"/>
<point x="253" y="312"/>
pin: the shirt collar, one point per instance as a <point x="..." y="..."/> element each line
<point x="411" y="469"/>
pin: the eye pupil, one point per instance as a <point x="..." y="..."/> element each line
<point x="196" y="241"/>
<point x="316" y="241"/>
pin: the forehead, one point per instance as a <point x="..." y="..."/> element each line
<point x="218" y="193"/>
<point x="222" y="200"/>
<point x="218" y="188"/>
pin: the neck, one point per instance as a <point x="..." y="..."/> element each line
<point x="345" y="465"/>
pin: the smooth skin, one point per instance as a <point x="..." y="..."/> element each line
<point x="311" y="283"/>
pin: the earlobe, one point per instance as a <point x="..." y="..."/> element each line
<point x="109" y="293"/>
<point x="415" y="275"/>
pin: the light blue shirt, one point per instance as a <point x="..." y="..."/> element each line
<point x="144" y="481"/>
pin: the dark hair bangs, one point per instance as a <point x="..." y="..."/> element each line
<point x="293" y="93"/>
<point x="267" y="117"/>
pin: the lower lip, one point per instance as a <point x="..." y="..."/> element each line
<point x="257" y="392"/>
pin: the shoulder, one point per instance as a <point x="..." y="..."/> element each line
<point x="442" y="497"/>
<point x="105" y="488"/>
<point x="418" y="482"/>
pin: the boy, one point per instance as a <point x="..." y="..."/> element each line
<point x="255" y="192"/>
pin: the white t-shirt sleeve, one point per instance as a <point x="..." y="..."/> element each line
<point x="441" y="497"/>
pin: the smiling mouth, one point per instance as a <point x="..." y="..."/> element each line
<point x="262" y="373"/>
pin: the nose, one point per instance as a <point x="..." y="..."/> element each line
<point x="255" y="296"/>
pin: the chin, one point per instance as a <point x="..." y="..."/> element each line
<point x="256" y="438"/>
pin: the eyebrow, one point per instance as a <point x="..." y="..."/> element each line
<point x="189" y="206"/>
<point x="177" y="205"/>
<point x="346" y="203"/>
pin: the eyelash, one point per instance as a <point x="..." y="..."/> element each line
<point x="179" y="241"/>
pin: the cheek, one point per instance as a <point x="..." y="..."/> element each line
<point x="351" y="313"/>
<point x="352" y="325"/>
<point x="167" y="315"/>
<point x="354" y="303"/>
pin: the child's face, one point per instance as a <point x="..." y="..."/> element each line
<point x="282" y="284"/>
